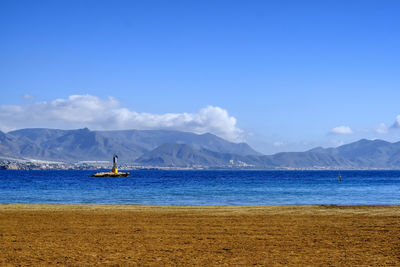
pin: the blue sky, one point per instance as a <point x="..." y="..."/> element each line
<point x="280" y="75"/>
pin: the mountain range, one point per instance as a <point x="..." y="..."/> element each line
<point x="85" y="145"/>
<point x="162" y="148"/>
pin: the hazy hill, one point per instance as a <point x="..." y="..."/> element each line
<point x="370" y="153"/>
<point x="83" y="144"/>
<point x="182" y="155"/>
<point x="182" y="149"/>
<point x="363" y="154"/>
<point x="8" y="145"/>
<point x="146" y="140"/>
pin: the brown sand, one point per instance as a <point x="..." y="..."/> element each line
<point x="199" y="236"/>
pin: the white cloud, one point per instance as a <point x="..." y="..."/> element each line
<point x="396" y="124"/>
<point x="79" y="111"/>
<point x="341" y="130"/>
<point x="381" y="128"/>
<point x="27" y="96"/>
<point x="278" y="143"/>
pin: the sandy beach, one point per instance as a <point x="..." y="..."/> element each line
<point x="199" y="236"/>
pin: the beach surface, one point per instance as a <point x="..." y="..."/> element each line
<point x="87" y="235"/>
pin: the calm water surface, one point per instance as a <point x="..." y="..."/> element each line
<point x="202" y="187"/>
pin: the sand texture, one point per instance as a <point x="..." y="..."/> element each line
<point x="87" y="235"/>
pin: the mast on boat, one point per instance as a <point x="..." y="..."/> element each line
<point x="115" y="168"/>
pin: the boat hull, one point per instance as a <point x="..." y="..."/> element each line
<point x="111" y="174"/>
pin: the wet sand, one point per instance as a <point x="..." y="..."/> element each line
<point x="199" y="236"/>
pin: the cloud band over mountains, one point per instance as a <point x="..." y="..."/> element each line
<point x="78" y="111"/>
<point x="396" y="123"/>
<point x="341" y="130"/>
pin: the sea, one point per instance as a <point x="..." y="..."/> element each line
<point x="206" y="187"/>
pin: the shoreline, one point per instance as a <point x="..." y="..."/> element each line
<point x="133" y="207"/>
<point x="69" y="234"/>
<point x="73" y="166"/>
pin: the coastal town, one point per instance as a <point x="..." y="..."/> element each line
<point x="7" y="164"/>
<point x="16" y="164"/>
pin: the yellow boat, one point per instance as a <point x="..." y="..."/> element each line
<point x="114" y="172"/>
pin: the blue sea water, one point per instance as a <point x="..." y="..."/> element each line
<point x="157" y="187"/>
